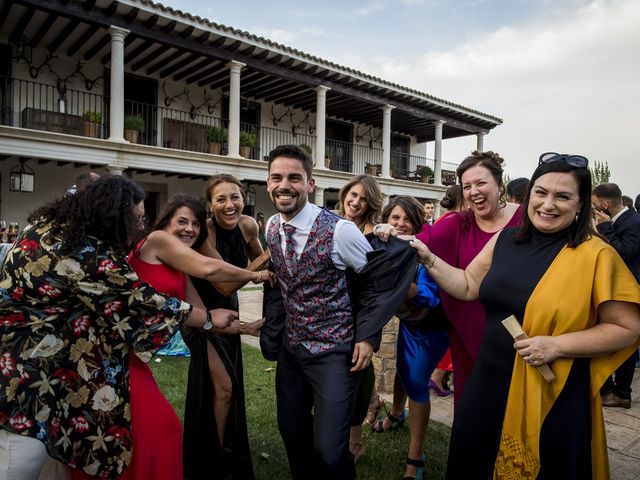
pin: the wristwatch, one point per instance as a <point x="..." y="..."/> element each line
<point x="208" y="324"/>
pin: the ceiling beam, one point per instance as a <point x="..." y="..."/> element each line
<point x="152" y="55"/>
<point x="63" y="35"/>
<point x="4" y="12"/>
<point x="139" y="50"/>
<point x="21" y="25"/>
<point x="179" y="65"/>
<point x="42" y="31"/>
<point x="165" y="61"/>
<point x="191" y="70"/>
<point x="224" y="73"/>
<point x="217" y="65"/>
<point x="82" y="40"/>
<point x="278" y="97"/>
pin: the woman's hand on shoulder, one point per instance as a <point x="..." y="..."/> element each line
<point x="384" y="231"/>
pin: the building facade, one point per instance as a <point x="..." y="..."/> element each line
<point x="168" y="99"/>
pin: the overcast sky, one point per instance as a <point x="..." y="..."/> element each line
<point x="564" y="75"/>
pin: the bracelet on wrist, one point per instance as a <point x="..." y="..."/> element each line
<point x="429" y="264"/>
<point x="241" y="327"/>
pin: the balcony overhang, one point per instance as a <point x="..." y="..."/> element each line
<point x="175" y="46"/>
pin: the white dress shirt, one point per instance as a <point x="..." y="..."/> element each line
<point x="349" y="245"/>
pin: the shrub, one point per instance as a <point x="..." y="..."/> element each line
<point x="93" y="117"/>
<point x="247" y="139"/>
<point x="134" y="122"/>
<point x="217" y="135"/>
<point x="425" y="171"/>
<point x="306" y="148"/>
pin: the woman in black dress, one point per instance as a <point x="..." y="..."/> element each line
<point x="216" y="444"/>
<point x="577" y="302"/>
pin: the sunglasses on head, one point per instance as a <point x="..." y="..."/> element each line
<point x="577" y="161"/>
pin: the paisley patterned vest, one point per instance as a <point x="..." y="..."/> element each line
<point x="315" y="293"/>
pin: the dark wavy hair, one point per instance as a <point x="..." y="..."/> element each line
<point x="180" y="200"/>
<point x="453" y="199"/>
<point x="375" y="200"/>
<point x="579" y="230"/>
<point x="411" y="207"/>
<point x="104" y="210"/>
<point x="292" y="151"/>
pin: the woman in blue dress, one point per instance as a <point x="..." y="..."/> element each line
<point x="422" y="341"/>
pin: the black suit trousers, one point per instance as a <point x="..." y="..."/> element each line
<point x="315" y="396"/>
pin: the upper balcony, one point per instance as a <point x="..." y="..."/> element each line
<point x="185" y="125"/>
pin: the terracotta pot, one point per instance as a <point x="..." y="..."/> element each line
<point x="91" y="129"/>
<point x="131" y="135"/>
<point x="245" y="152"/>
<point x="327" y="162"/>
<point x="215" y="148"/>
<point x="371" y="170"/>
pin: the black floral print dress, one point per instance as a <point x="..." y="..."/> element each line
<point x="67" y="325"/>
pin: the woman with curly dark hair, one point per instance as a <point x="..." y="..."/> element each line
<point x="72" y="315"/>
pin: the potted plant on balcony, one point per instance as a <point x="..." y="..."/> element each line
<point x="306" y="148"/>
<point x="133" y="125"/>
<point x="216" y="136"/>
<point x="92" y="123"/>
<point x="371" y="169"/>
<point x="328" y="155"/>
<point x="425" y="173"/>
<point x="247" y="142"/>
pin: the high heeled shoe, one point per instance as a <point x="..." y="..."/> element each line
<point x="394" y="423"/>
<point x="441" y="392"/>
<point x="373" y="412"/>
<point x="420" y="467"/>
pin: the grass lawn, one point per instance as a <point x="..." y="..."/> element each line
<point x="385" y="453"/>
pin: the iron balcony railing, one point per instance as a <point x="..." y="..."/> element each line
<point x="40" y="106"/>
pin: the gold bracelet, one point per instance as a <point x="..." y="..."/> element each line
<point x="259" y="277"/>
<point x="241" y="325"/>
<point x="433" y="261"/>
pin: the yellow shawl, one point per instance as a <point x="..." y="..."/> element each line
<point x="565" y="300"/>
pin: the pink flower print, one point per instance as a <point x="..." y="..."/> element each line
<point x="7" y="364"/>
<point x="20" y="422"/>
<point x="49" y="291"/>
<point x="79" y="424"/>
<point x="106" y="265"/>
<point x="81" y="324"/>
<point x="111" y="307"/>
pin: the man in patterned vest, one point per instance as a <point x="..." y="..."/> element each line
<point x="318" y="364"/>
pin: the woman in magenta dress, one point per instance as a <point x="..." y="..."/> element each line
<point x="458" y="238"/>
<point x="162" y="259"/>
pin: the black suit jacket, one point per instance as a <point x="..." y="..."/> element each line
<point x="376" y="293"/>
<point x="624" y="237"/>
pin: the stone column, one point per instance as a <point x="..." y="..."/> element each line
<point x="234" y="108"/>
<point x="116" y="103"/>
<point x="480" y="141"/>
<point x="318" y="198"/>
<point x="437" y="156"/>
<point x="386" y="140"/>
<point x="321" y="113"/>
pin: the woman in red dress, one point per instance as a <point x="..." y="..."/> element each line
<point x="162" y="259"/>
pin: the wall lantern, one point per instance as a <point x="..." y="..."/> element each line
<point x="251" y="196"/>
<point x="23" y="51"/>
<point x="22" y="178"/>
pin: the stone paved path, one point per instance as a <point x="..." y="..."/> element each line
<point x="623" y="426"/>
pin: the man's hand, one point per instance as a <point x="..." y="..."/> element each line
<point x="362" y="353"/>
<point x="600" y="217"/>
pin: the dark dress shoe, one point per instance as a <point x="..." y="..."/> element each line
<point x="612" y="400"/>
